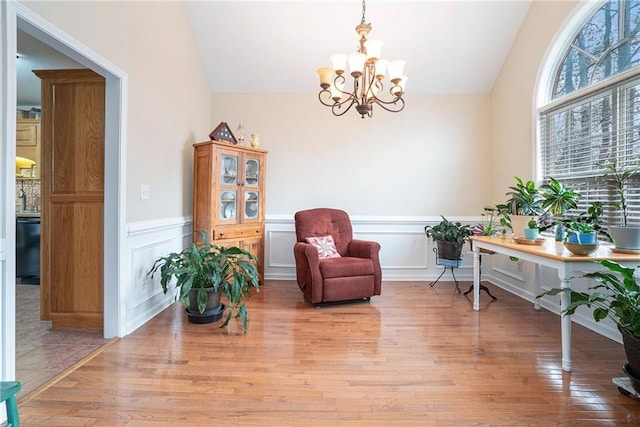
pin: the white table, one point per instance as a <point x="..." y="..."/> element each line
<point x="552" y="254"/>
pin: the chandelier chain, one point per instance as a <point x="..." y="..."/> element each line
<point x="364" y="8"/>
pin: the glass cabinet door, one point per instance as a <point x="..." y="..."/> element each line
<point x="229" y="170"/>
<point x="228" y="206"/>
<point x="252" y="172"/>
<point x="251" y="208"/>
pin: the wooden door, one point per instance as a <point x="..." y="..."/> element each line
<point x="73" y="103"/>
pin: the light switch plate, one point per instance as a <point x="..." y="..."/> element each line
<point x="145" y="192"/>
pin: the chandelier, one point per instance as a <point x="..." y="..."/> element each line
<point x="368" y="72"/>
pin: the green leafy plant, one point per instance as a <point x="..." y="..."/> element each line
<point x="618" y="183"/>
<point x="204" y="266"/>
<point x="447" y="231"/>
<point x="490" y="223"/>
<point x="616" y="296"/>
<point x="525" y="199"/>
<point x="558" y="199"/>
<point x="593" y="217"/>
<point x="532" y="223"/>
<point x="578" y="229"/>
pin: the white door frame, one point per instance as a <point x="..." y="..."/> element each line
<point x="17" y="16"/>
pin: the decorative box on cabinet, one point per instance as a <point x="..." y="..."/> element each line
<point x="28" y="139"/>
<point x="228" y="196"/>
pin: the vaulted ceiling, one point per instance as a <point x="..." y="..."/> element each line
<point x="276" y="46"/>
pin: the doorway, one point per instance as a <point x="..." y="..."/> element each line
<point x="17" y="16"/>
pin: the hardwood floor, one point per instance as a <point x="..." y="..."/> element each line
<point x="413" y="356"/>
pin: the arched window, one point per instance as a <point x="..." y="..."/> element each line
<point x="592" y="118"/>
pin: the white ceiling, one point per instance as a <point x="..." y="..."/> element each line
<point x="275" y="46"/>
<point x="35" y="55"/>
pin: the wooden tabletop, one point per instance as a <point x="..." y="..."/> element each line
<point x="556" y="250"/>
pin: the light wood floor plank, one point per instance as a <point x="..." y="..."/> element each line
<point x="414" y="356"/>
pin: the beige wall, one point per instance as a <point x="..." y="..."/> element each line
<point x="513" y="94"/>
<point x="168" y="97"/>
<point x="445" y="154"/>
<point x="430" y="159"/>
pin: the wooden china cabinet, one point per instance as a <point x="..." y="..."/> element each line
<point x="228" y="196"/>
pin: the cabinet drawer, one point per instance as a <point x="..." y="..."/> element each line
<point x="27" y="134"/>
<point x="235" y="232"/>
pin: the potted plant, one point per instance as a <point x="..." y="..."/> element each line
<point x="614" y="296"/>
<point x="624" y="236"/>
<point x="490" y="224"/>
<point x="524" y="204"/>
<point x="449" y="237"/>
<point x="592" y="216"/>
<point x="558" y="199"/>
<point x="203" y="271"/>
<point x="531" y="232"/>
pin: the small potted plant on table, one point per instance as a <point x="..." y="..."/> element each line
<point x="523" y="205"/>
<point x="531" y="232"/>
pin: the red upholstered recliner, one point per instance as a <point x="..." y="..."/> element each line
<point x="356" y="274"/>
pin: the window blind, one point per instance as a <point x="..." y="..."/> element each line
<point x="579" y="137"/>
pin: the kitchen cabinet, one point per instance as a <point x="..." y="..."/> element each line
<point x="28" y="141"/>
<point x="229" y="196"/>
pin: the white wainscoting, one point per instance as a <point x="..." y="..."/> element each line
<point x="146" y="241"/>
<point x="405" y="254"/>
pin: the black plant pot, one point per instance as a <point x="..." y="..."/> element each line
<point x="213" y="310"/>
<point x="632" y="350"/>
<point x="208" y="316"/>
<point x="449" y="250"/>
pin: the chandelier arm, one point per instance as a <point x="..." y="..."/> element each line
<point x="335" y="106"/>
<point x="384" y="104"/>
<point x="341" y="81"/>
<point x="338" y="106"/>
<point x="328" y="92"/>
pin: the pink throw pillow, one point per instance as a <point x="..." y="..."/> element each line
<point x="325" y="246"/>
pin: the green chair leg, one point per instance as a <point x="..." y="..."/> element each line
<point x="8" y="390"/>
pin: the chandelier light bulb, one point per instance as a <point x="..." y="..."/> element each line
<point x="339" y="61"/>
<point x="336" y="90"/>
<point x="356" y="63"/>
<point x="396" y="70"/>
<point x="381" y="68"/>
<point x="326" y="76"/>
<point x="374" y="47"/>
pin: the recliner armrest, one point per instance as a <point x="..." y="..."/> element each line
<point x="308" y="270"/>
<point x="371" y="250"/>
<point x="364" y="249"/>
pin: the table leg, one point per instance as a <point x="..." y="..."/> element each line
<point x="565" y="300"/>
<point x="476" y="278"/>
<point x="536" y="287"/>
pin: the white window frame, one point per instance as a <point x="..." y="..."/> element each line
<point x="548" y="75"/>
